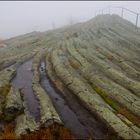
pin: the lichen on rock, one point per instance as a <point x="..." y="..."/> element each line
<point x="47" y="109"/>
<point x="14" y="102"/>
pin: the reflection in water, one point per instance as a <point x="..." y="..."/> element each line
<point x="75" y="117"/>
<point x="23" y="81"/>
<point x="67" y="115"/>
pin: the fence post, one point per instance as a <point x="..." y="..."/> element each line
<point x="122" y="12"/>
<point x="102" y="12"/>
<point x="137" y="20"/>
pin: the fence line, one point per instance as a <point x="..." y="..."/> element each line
<point x="109" y="8"/>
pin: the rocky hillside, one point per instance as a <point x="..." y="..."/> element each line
<point x="93" y="65"/>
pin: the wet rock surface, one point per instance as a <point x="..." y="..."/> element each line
<point x="47" y="109"/>
<point x="23" y="81"/>
<point x="91" y="98"/>
<point x="93" y="68"/>
<point x="68" y="116"/>
<point x="75" y="117"/>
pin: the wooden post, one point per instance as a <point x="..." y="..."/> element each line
<point x="102" y="12"/>
<point x="122" y="13"/>
<point x="137" y="20"/>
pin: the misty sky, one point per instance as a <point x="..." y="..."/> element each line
<point x="27" y="16"/>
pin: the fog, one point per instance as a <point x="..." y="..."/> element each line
<point x="26" y="16"/>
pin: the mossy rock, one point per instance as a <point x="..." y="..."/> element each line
<point x="8" y="117"/>
<point x="5" y="90"/>
<point x="3" y="93"/>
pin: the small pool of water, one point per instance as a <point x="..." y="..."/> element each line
<point x="23" y="81"/>
<point x="74" y="116"/>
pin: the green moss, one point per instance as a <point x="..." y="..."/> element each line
<point x="5" y="90"/>
<point x="8" y="117"/>
<point x="121" y="110"/>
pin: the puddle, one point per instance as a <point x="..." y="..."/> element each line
<point x="23" y="81"/>
<point x="74" y="116"/>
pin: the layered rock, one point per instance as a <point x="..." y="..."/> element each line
<point x="47" y="109"/>
<point x="14" y="102"/>
<point x="25" y="123"/>
<point x="81" y="89"/>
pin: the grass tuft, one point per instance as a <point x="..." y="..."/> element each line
<point x="53" y="132"/>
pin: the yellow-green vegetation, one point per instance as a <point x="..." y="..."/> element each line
<point x="3" y="93"/>
<point x="5" y="90"/>
<point x="120" y="109"/>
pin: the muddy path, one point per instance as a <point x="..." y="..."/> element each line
<point x="75" y="117"/>
<point x="23" y="81"/>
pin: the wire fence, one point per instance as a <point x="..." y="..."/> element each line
<point x="123" y="12"/>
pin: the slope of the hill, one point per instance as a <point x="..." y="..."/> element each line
<point x="94" y="66"/>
